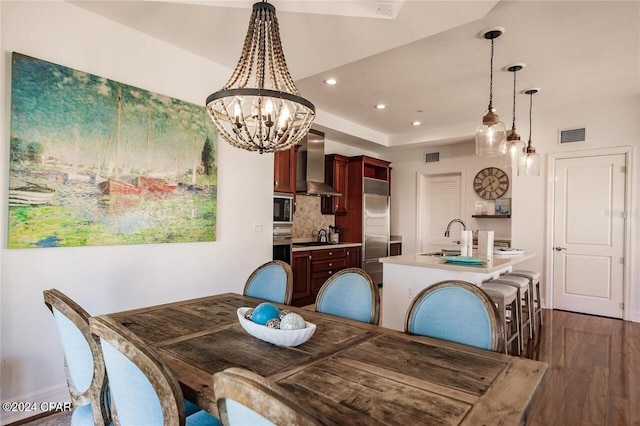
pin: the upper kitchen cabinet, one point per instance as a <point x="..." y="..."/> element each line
<point x="335" y="173"/>
<point x="373" y="168"/>
<point x="284" y="170"/>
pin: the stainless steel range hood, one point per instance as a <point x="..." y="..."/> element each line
<point x="310" y="167"/>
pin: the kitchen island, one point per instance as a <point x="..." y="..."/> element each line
<point x="406" y="275"/>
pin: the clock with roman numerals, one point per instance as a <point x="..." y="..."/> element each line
<point x="491" y="183"/>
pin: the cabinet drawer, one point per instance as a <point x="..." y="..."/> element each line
<point x="319" y="278"/>
<point x="328" y="265"/>
<point x="328" y="254"/>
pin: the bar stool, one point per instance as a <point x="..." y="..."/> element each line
<point x="503" y="296"/>
<point x="524" y="295"/>
<point x="534" y="289"/>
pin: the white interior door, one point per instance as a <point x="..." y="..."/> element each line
<point x="440" y="200"/>
<point x="588" y="235"/>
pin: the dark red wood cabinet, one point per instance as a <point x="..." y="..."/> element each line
<point x="335" y="175"/>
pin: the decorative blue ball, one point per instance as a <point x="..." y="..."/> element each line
<point x="264" y="312"/>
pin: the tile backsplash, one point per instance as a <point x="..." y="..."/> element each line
<point x="308" y="219"/>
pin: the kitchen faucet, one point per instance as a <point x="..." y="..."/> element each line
<point x="464" y="227"/>
<point x="323" y="236"/>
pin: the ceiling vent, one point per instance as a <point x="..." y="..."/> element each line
<point x="573" y="135"/>
<point x="432" y="157"/>
<point x="385" y="9"/>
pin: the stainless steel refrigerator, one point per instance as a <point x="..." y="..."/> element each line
<point x="376" y="226"/>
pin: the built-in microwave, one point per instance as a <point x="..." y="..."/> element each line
<point x="282" y="208"/>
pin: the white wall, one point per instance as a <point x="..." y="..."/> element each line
<point x="409" y="164"/>
<point x="114" y="278"/>
<point x="334" y="147"/>
<point x="609" y="123"/>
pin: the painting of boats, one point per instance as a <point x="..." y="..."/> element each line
<point x="156" y="184"/>
<point x="30" y="195"/>
<point x="114" y="163"/>
<point x="112" y="186"/>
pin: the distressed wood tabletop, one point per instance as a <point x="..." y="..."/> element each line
<point x="350" y="372"/>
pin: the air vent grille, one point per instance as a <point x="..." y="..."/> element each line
<point x="432" y="157"/>
<point x="375" y="186"/>
<point x="573" y="135"/>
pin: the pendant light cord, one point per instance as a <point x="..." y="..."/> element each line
<point x="491" y="77"/>
<point x="530" y="108"/>
<point x="513" y="123"/>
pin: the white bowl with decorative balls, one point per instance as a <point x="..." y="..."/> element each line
<point x="277" y="336"/>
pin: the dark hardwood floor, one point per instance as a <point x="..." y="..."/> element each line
<point x="594" y="376"/>
<point x="594" y="370"/>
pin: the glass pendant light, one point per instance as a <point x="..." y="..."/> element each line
<point x="260" y="108"/>
<point x="491" y="134"/>
<point x="514" y="144"/>
<point x="529" y="164"/>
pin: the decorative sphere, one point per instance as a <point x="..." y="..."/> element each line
<point x="292" y="321"/>
<point x="284" y="312"/>
<point x="249" y="314"/>
<point x="273" y="323"/>
<point x="264" y="312"/>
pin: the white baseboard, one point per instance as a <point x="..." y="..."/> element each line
<point x="634" y="316"/>
<point x="34" y="401"/>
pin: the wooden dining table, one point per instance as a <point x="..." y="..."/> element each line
<point x="349" y="372"/>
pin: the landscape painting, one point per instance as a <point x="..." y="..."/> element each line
<point x="97" y="162"/>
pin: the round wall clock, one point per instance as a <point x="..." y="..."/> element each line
<point x="491" y="183"/>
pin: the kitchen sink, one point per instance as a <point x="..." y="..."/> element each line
<point x="443" y="252"/>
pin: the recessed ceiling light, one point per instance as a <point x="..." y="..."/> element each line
<point x="381" y="106"/>
<point x="415" y="123"/>
<point x="331" y="81"/>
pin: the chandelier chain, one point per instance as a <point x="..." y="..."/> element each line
<point x="283" y="70"/>
<point x="261" y="36"/>
<point x="239" y="71"/>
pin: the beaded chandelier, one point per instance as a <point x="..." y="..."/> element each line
<point x="260" y="108"/>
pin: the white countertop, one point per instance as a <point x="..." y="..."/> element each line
<point x="296" y="247"/>
<point x="494" y="264"/>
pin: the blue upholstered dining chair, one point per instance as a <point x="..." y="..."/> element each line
<point x="456" y="311"/>
<point x="350" y="293"/>
<point x="143" y="389"/>
<point x="245" y="398"/>
<point x="271" y="281"/>
<point x="84" y="366"/>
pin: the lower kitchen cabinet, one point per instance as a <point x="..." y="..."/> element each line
<point x="313" y="267"/>
<point x="353" y="257"/>
<point x="301" y="267"/>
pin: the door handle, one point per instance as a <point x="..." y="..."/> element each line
<point x="559" y="248"/>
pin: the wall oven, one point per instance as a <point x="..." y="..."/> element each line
<point x="282" y="242"/>
<point x="282" y="209"/>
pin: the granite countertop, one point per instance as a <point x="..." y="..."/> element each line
<point x="300" y="246"/>
<point x="497" y="262"/>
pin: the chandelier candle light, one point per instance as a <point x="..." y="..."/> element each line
<point x="491" y="134"/>
<point x="529" y="164"/>
<point x="514" y="145"/>
<point x="269" y="115"/>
